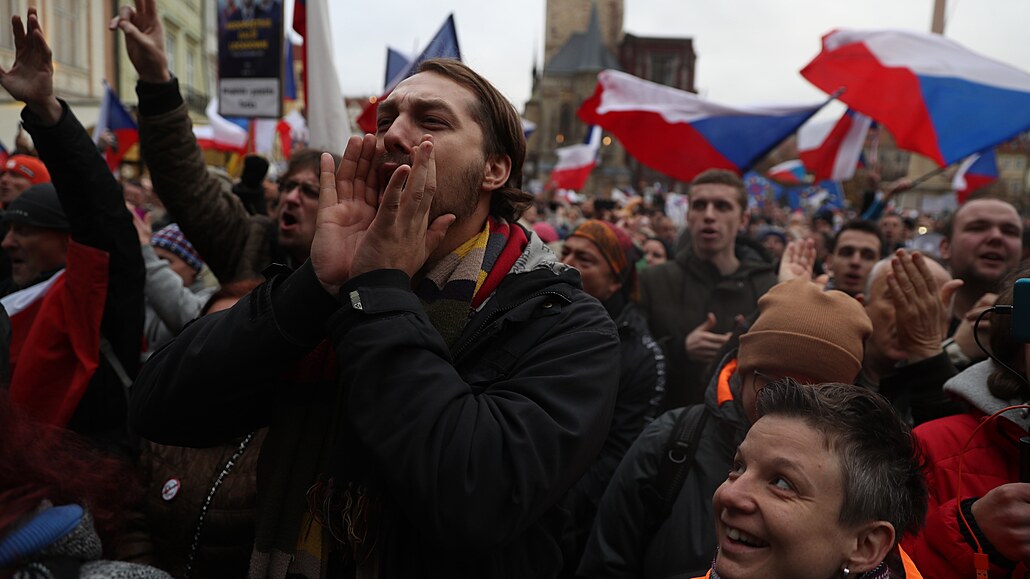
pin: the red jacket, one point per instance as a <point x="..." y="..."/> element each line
<point x="991" y="459"/>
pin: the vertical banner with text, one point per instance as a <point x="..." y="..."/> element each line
<point x="250" y="61"/>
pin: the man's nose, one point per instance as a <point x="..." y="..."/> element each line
<point x="401" y="136"/>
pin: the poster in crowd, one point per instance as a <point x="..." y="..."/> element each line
<point x="250" y="37"/>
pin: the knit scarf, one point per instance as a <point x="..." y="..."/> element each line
<point x="459" y="283"/>
<point x="346" y="516"/>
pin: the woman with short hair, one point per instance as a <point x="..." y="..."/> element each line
<point x="824" y="485"/>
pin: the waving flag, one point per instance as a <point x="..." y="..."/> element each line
<point x="396" y="63"/>
<point x="976" y="172"/>
<point x="443" y="45"/>
<point x="114" y="118"/>
<point x="222" y="134"/>
<point x="788" y="172"/>
<point x="831" y="150"/>
<point x="55" y="336"/>
<point x="576" y="162"/>
<point x="328" y="121"/>
<point x="936" y="97"/>
<point x="680" y="134"/>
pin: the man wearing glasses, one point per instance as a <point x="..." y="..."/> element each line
<point x="802" y="332"/>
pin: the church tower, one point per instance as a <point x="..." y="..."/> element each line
<point x="566" y="17"/>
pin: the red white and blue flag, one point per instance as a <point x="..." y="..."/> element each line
<point x="790" y="172"/>
<point x="975" y="172"/>
<point x="114" y="118"/>
<point x="222" y="134"/>
<point x="681" y="134"/>
<point x="935" y="96"/>
<point x="575" y="162"/>
<point x="55" y="336"/>
<point x="443" y="45"/>
<point x="832" y="150"/>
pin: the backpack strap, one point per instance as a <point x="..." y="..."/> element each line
<point x="677" y="459"/>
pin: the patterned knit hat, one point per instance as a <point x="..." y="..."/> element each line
<point x="804" y="330"/>
<point x="172" y="239"/>
<point x="615" y="245"/>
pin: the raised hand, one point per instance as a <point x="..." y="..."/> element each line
<point x="964" y="333"/>
<point x="31" y="78"/>
<point x="144" y="40"/>
<point x="920" y="306"/>
<point x="798" y="260"/>
<point x="401" y="236"/>
<point x="346" y="207"/>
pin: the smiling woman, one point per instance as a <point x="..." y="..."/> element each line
<point x="823" y="486"/>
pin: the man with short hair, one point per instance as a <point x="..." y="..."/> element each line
<point x="434" y="381"/>
<point x="694" y="301"/>
<point x="855" y="249"/>
<point x="893" y="230"/>
<point x="907" y="299"/>
<point x="982" y="244"/>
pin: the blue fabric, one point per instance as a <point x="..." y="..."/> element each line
<point x="43" y="530"/>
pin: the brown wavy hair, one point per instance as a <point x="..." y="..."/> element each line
<point x="502" y="133"/>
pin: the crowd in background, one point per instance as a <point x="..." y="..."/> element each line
<point x="207" y="376"/>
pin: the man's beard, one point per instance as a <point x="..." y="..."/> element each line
<point x="459" y="198"/>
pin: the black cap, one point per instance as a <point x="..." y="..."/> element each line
<point x="38" y="205"/>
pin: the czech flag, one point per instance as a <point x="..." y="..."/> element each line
<point x="976" y="172"/>
<point x="789" y="172"/>
<point x="576" y="162"/>
<point x="443" y="45"/>
<point x="936" y="97"/>
<point x="114" y="118"/>
<point x="680" y="134"/>
<point x="221" y="134"/>
<point x="832" y="150"/>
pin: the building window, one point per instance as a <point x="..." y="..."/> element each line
<point x="171" y="46"/>
<point x="565" y="120"/>
<point x="663" y="69"/>
<point x="191" y="63"/>
<point x="67" y="33"/>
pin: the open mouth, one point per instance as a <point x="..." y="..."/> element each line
<point x="993" y="257"/>
<point x="288" y="220"/>
<point x="741" y="538"/>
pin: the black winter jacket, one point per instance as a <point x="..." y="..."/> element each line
<point x="472" y="447"/>
<point x="628" y="540"/>
<point x="641" y="388"/>
<point x="95" y="207"/>
<point x="676" y="297"/>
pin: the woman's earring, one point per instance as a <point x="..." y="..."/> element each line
<point x="846" y="571"/>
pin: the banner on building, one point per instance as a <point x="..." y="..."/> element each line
<point x="250" y="49"/>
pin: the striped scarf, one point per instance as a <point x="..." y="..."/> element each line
<point x="460" y="282"/>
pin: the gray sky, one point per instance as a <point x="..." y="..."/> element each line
<point x="749" y="51"/>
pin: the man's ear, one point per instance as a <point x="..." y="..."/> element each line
<point x="945" y="249"/>
<point x="873" y="541"/>
<point x="496" y="171"/>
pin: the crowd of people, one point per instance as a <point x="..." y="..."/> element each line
<point x="395" y="362"/>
